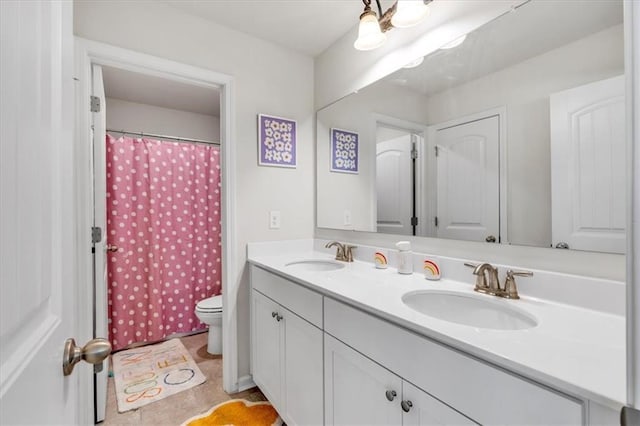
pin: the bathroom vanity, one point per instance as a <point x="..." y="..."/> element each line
<point x="342" y="343"/>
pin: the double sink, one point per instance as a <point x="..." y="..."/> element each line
<point x="469" y="309"/>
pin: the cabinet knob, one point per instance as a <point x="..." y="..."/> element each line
<point x="279" y="317"/>
<point x="391" y="395"/>
<point x="406" y="405"/>
<point x="274" y="314"/>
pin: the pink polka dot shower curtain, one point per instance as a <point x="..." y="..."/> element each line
<point x="163" y="214"/>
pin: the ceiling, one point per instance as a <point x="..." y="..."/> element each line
<point x="146" y="89"/>
<point x="306" y="26"/>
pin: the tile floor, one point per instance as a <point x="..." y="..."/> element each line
<point x="177" y="408"/>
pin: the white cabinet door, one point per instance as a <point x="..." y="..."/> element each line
<point x="468" y="204"/>
<point x="425" y="410"/>
<point x="588" y="166"/>
<point x="303" y="377"/>
<point x="356" y="388"/>
<point x="267" y="362"/>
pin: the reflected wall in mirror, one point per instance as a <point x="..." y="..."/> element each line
<point x="515" y="136"/>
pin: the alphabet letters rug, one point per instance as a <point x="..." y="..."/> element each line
<point x="151" y="373"/>
<point x="237" y="412"/>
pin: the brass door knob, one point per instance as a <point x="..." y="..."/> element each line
<point x="94" y="352"/>
<point x="112" y="248"/>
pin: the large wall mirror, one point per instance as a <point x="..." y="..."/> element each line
<point x="514" y="134"/>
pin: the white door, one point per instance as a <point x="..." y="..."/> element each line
<point x="468" y="180"/>
<point x="100" y="325"/>
<point x="588" y="166"/>
<point x="267" y="365"/>
<point x="421" y="409"/>
<point x="394" y="185"/>
<point x="38" y="290"/>
<point x="303" y="378"/>
<point x="357" y="390"/>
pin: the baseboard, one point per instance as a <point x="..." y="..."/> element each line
<point x="245" y="382"/>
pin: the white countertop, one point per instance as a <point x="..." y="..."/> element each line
<point x="576" y="350"/>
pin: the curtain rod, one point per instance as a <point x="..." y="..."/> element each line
<point x="175" y="138"/>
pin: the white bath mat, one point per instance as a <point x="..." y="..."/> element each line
<point x="151" y="373"/>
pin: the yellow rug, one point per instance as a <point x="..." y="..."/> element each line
<point x="238" y="412"/>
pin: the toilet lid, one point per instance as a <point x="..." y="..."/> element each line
<point x="210" y="304"/>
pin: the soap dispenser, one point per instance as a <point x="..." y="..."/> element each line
<point x="405" y="261"/>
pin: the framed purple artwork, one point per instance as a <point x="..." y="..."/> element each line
<point x="276" y="141"/>
<point x="344" y="151"/>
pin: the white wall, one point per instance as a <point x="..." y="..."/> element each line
<point x="137" y="117"/>
<point x="268" y="79"/>
<point x="340" y="70"/>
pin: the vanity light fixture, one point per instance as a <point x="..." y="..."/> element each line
<point x="403" y="14"/>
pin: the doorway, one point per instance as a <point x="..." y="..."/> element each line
<point x="90" y="54"/>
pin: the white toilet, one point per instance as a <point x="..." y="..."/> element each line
<point x="209" y="311"/>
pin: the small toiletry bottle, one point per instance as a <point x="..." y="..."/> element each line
<point x="405" y="257"/>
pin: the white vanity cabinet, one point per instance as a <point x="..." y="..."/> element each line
<point x="359" y="391"/>
<point x="487" y="394"/>
<point x="286" y="321"/>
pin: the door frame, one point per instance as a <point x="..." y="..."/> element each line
<point x="501" y="113"/>
<point x="87" y="53"/>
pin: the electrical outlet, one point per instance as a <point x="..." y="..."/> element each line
<point x="274" y="219"/>
<point x="347" y="217"/>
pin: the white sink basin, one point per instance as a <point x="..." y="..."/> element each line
<point x="315" y="265"/>
<point x="469" y="309"/>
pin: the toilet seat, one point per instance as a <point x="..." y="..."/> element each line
<point x="210" y="304"/>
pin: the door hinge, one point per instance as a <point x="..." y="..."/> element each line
<point x="414" y="221"/>
<point x="96" y="234"/>
<point x="436" y="221"/>
<point x="414" y="154"/>
<point x="95" y="104"/>
<point x="436" y="148"/>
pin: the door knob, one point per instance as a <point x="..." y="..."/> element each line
<point x="406" y="405"/>
<point x="490" y="239"/>
<point x="94" y="352"/>
<point x="112" y="248"/>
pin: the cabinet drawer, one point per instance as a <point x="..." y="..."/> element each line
<point x="485" y="393"/>
<point x="298" y="299"/>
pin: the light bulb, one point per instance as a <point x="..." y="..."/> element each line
<point x="409" y="13"/>
<point x="369" y="34"/>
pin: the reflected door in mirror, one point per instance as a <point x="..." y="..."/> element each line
<point x="468" y="180"/>
<point x="394" y="185"/>
<point x="588" y="166"/>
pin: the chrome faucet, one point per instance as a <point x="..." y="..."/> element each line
<point x="344" y="252"/>
<point x="487" y="280"/>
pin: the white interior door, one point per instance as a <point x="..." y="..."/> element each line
<point x="588" y="166"/>
<point x="100" y="322"/>
<point x="468" y="180"/>
<point x="37" y="249"/>
<point x="394" y="185"/>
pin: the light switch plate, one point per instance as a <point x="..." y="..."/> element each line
<point x="274" y="219"/>
<point x="347" y="217"/>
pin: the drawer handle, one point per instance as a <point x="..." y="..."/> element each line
<point x="391" y="395"/>
<point x="406" y="405"/>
